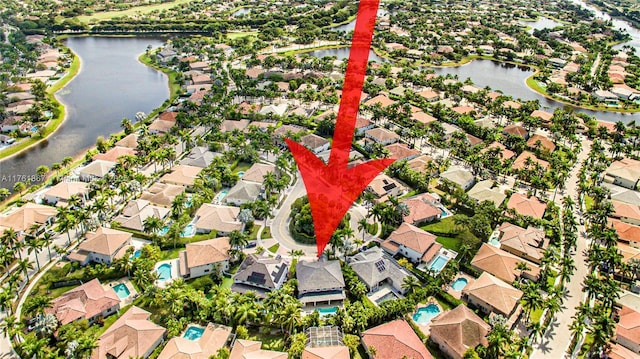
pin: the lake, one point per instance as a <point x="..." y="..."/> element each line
<point x="352" y="24"/>
<point x="343" y="53"/>
<point x="111" y="85"/>
<point x="540" y="24"/>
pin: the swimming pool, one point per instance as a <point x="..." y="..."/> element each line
<point x="438" y="263"/>
<point x="164" y="271"/>
<point x="121" y="290"/>
<point x="424" y="315"/>
<point x="327" y="311"/>
<point x="443" y="212"/>
<point x="136" y="254"/>
<point x="386" y="297"/>
<point x="494" y="242"/>
<point x="222" y="194"/>
<point x="240" y="174"/>
<point x="189" y="230"/>
<point x="164" y="230"/>
<point x="193" y="333"/>
<point x="459" y="284"/>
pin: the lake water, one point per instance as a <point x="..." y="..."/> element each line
<point x="111" y="85"/>
<point x="352" y="25"/>
<point x="541" y="23"/>
<point x="343" y="53"/>
<point x="242" y="11"/>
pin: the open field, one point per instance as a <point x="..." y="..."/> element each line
<point x="108" y="15"/>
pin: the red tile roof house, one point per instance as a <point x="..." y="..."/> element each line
<point x="88" y="301"/>
<point x="102" y="246"/>
<point x="133" y="335"/>
<point x="394" y="340"/>
<point x="628" y="329"/>
<point x="516" y="130"/>
<point x="205" y="257"/>
<point x="520" y="162"/>
<point x="458" y="330"/>
<point x="413" y="243"/>
<point x="401" y="151"/>
<point x="629" y="213"/>
<point x="627" y="233"/>
<point x="524" y="206"/>
<point x="502" y="264"/>
<point x="382" y="136"/>
<point x="422" y="209"/>
<point x="492" y="295"/>
<point x="525" y="243"/>
<point x="545" y="143"/>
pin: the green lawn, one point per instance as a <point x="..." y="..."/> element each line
<point x="235" y="35"/>
<point x="170" y="254"/>
<point x="242" y="166"/>
<point x="449" y="236"/>
<point x="274" y="248"/>
<point x="443" y="226"/>
<point x="269" y="341"/>
<point x="145" y="9"/>
<point x="253" y="234"/>
<point x="372" y="228"/>
<point x="449" y="243"/>
<point x="266" y="233"/>
<point x="226" y="282"/>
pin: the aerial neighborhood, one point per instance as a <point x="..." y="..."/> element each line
<point x="507" y="226"/>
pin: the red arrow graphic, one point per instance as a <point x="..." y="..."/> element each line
<point x="333" y="187"/>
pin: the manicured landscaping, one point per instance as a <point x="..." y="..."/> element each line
<point x="274" y="248"/>
<point x="144" y="9"/>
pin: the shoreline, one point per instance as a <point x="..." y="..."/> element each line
<point x="55" y="124"/>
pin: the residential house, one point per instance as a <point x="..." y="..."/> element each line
<point x="243" y="192"/>
<point x="413" y="243"/>
<point x="376" y="268"/>
<point x="95" y="169"/>
<point x="502" y="264"/>
<point x="181" y="175"/>
<point x="162" y="194"/>
<point x="460" y="176"/>
<point x="505" y="153"/>
<point x="382" y="136"/>
<point x="422" y="208"/>
<point x="625" y="173"/>
<point x="492" y="295"/>
<point x="383" y="186"/>
<point x="136" y="212"/>
<point x="315" y="143"/>
<point x="527" y="243"/>
<point x="484" y="191"/>
<point x="257" y="171"/>
<point x="429" y="95"/>
<point x="260" y="275"/>
<point x="114" y="153"/>
<point x="102" y="246"/>
<point x="328" y="352"/>
<point x="542" y="143"/>
<point x="628" y="329"/>
<point x="61" y="192"/>
<point x="277" y="110"/>
<point x="421" y="164"/>
<point x="159" y="126"/>
<point x="394" y="340"/>
<point x="605" y="96"/>
<point x="363" y="125"/>
<point x="422" y="117"/>
<point x="628" y="213"/>
<point x="205" y="257"/>
<point x="214" y="337"/>
<point x="24" y="218"/>
<point x="516" y="130"/>
<point x="222" y="219"/>
<point x="320" y="282"/>
<point x="88" y="301"/>
<point x="128" y="141"/>
<point x="401" y="151"/>
<point x="325" y="342"/>
<point x="622" y="194"/>
<point x="133" y="335"/>
<point x="199" y="157"/>
<point x="458" y="330"/>
<point x="232" y="125"/>
<point x="627" y="233"/>
<point x="528" y="160"/>
<point x="617" y="351"/>
<point x="383" y="100"/>
<point x="524" y="206"/>
<point x="544" y="116"/>
<point x="251" y="349"/>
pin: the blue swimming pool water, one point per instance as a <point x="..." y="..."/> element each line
<point x="327" y="311"/>
<point x="121" y="290"/>
<point x="425" y="314"/>
<point x="459" y="284"/>
<point x="193" y="333"/>
<point x="164" y="230"/>
<point x="222" y="194"/>
<point x="136" y="254"/>
<point x="494" y="242"/>
<point x="164" y="271"/>
<point x="438" y="264"/>
<point x="189" y="230"/>
<point x="240" y="174"/>
<point x="443" y="212"/>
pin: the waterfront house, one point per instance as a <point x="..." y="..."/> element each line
<point x="260" y="275"/>
<point x="492" y="295"/>
<point x="204" y="258"/>
<point x="383" y="186"/>
<point x="222" y="219"/>
<point x="137" y="211"/>
<point x="159" y="126"/>
<point x="129" y="141"/>
<point x="320" y="282"/>
<point x="102" y="246"/>
<point x="243" y="192"/>
<point x="61" y="192"/>
<point x="381" y="136"/>
<point x="544" y="116"/>
<point x="484" y="191"/>
<point x="114" y="153"/>
<point x="214" y="337"/>
<point x="527" y="243"/>
<point x="422" y="209"/>
<point x="458" y="330"/>
<point x="162" y="194"/>
<point x="524" y="206"/>
<point x="95" y="169"/>
<point x="605" y="96"/>
<point x="394" y="340"/>
<point x="23" y="219"/>
<point x="251" y="349"/>
<point x="502" y="264"/>
<point x="625" y="173"/>
<point x="413" y="243"/>
<point x="460" y="176"/>
<point x="376" y="268"/>
<point x="88" y="301"/>
<point x="133" y="335"/>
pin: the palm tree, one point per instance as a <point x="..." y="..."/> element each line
<point x="10" y="239"/>
<point x="362" y="226"/>
<point x="34" y="245"/>
<point x="238" y="240"/>
<point x="410" y="283"/>
<point x="24" y="266"/>
<point x="47" y="240"/>
<point x="522" y="267"/>
<point x="152" y="225"/>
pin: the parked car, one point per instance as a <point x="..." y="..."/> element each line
<point x="251" y="244"/>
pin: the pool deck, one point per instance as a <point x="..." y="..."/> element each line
<point x="174" y="272"/>
<point x="426" y="328"/>
<point x="457" y="294"/>
<point x="384" y="290"/>
<point x="133" y="293"/>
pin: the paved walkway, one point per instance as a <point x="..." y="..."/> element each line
<point x="557" y="338"/>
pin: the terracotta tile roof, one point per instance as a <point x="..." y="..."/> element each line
<point x="463" y="110"/>
<point x="161" y="126"/>
<point x="429" y="95"/>
<point x="313" y="141"/>
<point x="230" y="125"/>
<point x="382" y="135"/>
<point x="628" y="253"/>
<point x="419" y="163"/>
<point x="395" y="340"/>
<point x="382" y="185"/>
<point x="626" y="211"/>
<point x="494" y="292"/>
<point x="629" y="325"/>
<point x="362" y="122"/>
<point x="168" y="116"/>
<point x="626" y="168"/>
<point x="422" y="117"/>
<point x="512" y="104"/>
<point x="527" y="206"/>
<point x="220" y="218"/>
<point x="459" y="329"/>
<point x="85" y="301"/>
<point x="617" y="351"/>
<point x="330" y="352"/>
<point x="421" y="208"/>
<point x="401" y="151"/>
<point x="162" y="194"/>
<point x="105" y="241"/>
<point x="249" y="349"/>
<point x="543" y="115"/>
<point x="506" y="153"/>
<point x="382" y="99"/>
<point x="129" y="141"/>
<point x="207" y="252"/>
<point x="213" y="338"/>
<point x="98" y="168"/>
<point x="626" y="232"/>
<point x="545" y="142"/>
<point x="132" y="335"/>
<point x="500" y="263"/>
<point x="247" y="108"/>
<point x="24" y="217"/>
<point x="521" y="161"/>
<point x="531" y="241"/>
<point x="411" y="237"/>
<point x="64" y="190"/>
<point x="113" y="154"/>
<point x="515" y="130"/>
<point x="257" y="172"/>
<point x="182" y="175"/>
